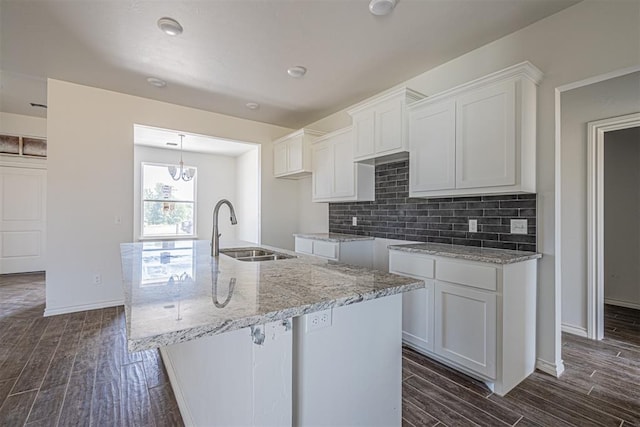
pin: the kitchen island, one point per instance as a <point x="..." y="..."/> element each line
<point x="302" y="341"/>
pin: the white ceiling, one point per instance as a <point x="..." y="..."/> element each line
<point x="158" y="138"/>
<point x="237" y="51"/>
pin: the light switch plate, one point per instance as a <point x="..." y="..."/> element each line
<point x="518" y="226"/>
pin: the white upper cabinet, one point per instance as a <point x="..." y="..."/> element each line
<point x="335" y="177"/>
<point x="380" y="124"/>
<point x="478" y="138"/>
<point x="292" y="154"/>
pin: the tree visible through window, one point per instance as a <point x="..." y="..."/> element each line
<point x="168" y="206"/>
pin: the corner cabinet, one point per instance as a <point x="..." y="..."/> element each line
<point x="356" y="252"/>
<point x="335" y="176"/>
<point x="478" y="138"/>
<point x="380" y="124"/>
<point x="292" y="154"/>
<point x="479" y="318"/>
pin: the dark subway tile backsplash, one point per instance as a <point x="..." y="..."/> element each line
<point x="393" y="215"/>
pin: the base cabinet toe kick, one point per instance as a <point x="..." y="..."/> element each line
<point x="477" y="317"/>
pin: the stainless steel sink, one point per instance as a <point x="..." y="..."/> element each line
<point x="254" y="254"/>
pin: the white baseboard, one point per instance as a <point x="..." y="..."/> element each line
<point x="83" y="307"/>
<point x="554" y="369"/>
<point x="619" y="303"/>
<point x="177" y="390"/>
<point x="575" y="330"/>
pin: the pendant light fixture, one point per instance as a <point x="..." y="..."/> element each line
<point x="184" y="174"/>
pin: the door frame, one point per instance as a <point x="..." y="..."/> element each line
<point x="595" y="217"/>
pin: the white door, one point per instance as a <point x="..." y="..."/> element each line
<point x="22" y="219"/>
<point x="486" y="137"/>
<point x="465" y="330"/>
<point x="432" y="146"/>
<point x="417" y="316"/>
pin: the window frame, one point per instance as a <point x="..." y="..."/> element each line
<point x="194" y="233"/>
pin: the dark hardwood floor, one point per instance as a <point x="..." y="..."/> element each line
<point x="74" y="370"/>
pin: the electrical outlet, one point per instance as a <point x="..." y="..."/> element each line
<point x="354" y="220"/>
<point x="473" y="226"/>
<point x="518" y="226"/>
<point x="318" y="320"/>
<point x="97" y="279"/>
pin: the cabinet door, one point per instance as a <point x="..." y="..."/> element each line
<point x="432" y="147"/>
<point x="388" y="126"/>
<point x="322" y="175"/>
<point x="465" y="330"/>
<point x="486" y="137"/>
<point x="364" y="129"/>
<point x="280" y="161"/>
<point x="295" y="155"/>
<point x="417" y="317"/>
<point x="343" y="166"/>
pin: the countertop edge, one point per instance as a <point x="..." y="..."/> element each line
<point x="515" y="258"/>
<point x="176" y="337"/>
<point x="341" y="238"/>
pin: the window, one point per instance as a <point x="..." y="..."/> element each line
<point x="168" y="206"/>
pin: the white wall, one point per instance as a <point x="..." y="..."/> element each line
<point x="621" y="214"/>
<point x="90" y="164"/>
<point x="312" y="217"/>
<point x="588" y="39"/>
<point x="248" y="196"/>
<point x="17" y="124"/>
<point x="610" y="98"/>
<point x="213" y="182"/>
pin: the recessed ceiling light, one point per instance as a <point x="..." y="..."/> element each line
<point x="381" y="7"/>
<point x="297" y="71"/>
<point x="170" y="26"/>
<point x="253" y="105"/>
<point x="35" y="104"/>
<point x="154" y="81"/>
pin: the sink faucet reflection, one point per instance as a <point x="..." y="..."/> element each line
<point x="215" y="238"/>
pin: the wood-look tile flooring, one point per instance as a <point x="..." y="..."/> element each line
<point x="74" y="369"/>
<point x="600" y="386"/>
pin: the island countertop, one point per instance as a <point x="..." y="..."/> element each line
<point x="175" y="291"/>
<point x="470" y="253"/>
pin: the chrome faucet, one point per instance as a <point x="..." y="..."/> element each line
<point x="215" y="237"/>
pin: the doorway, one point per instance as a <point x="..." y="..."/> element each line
<point x="613" y="226"/>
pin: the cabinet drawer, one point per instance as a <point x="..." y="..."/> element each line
<point x="410" y="264"/>
<point x="304" y="245"/>
<point x="325" y="249"/>
<point x="478" y="276"/>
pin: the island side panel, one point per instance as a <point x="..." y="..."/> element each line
<point x="229" y="380"/>
<point x="350" y="373"/>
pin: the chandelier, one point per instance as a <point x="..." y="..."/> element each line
<point x="184" y="174"/>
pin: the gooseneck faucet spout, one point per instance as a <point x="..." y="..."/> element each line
<point x="215" y="238"/>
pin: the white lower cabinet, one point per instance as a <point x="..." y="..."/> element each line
<point x="466" y="332"/>
<point x="479" y="318"/>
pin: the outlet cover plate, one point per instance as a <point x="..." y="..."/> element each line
<point x="473" y="226"/>
<point x="518" y="226"/>
<point x="318" y="320"/>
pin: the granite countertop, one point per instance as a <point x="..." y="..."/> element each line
<point x="471" y="253"/>
<point x="175" y="291"/>
<point x="333" y="237"/>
